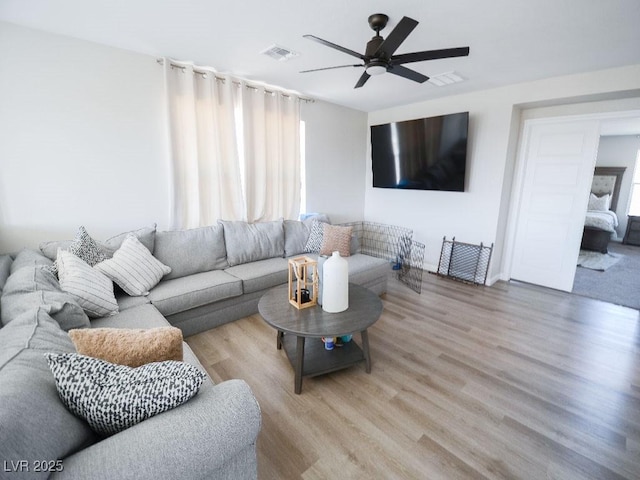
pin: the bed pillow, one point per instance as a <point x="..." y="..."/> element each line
<point x="132" y="347"/>
<point x="601" y="204"/>
<point x="133" y="267"/>
<point x="112" y="397"/>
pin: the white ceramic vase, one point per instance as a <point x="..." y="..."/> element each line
<point x="335" y="284"/>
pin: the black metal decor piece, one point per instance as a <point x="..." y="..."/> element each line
<point x="465" y="262"/>
<point x="394" y="244"/>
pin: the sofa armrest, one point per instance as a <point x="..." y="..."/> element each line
<point x="191" y="441"/>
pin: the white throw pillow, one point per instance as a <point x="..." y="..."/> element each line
<point x="599" y="203"/>
<point x="92" y="290"/>
<point x="133" y="267"/>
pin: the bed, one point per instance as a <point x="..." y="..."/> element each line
<point x="601" y="219"/>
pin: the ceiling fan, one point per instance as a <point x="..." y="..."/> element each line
<point x="379" y="55"/>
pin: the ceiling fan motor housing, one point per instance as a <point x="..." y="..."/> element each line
<point x="372" y="46"/>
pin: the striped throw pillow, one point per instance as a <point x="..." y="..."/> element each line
<point x="91" y="289"/>
<point x="133" y="267"/>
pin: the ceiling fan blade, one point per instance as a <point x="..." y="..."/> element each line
<point x="329" y="68"/>
<point x="407" y="73"/>
<point x="396" y="37"/>
<point x="362" y="80"/>
<point x="430" y="55"/>
<point x="333" y="45"/>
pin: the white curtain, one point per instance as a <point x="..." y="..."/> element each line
<point x="235" y="149"/>
<point x="271" y="122"/>
<point x="204" y="149"/>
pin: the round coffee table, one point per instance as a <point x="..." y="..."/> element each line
<point x="295" y="326"/>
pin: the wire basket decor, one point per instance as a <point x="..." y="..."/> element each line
<point x="465" y="262"/>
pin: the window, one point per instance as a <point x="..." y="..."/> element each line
<point x="634" y="204"/>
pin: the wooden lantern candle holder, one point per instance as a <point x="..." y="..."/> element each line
<point x="303" y="282"/>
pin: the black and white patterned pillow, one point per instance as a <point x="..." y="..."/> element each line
<point x="85" y="248"/>
<point x="113" y="397"/>
<point x="314" y="242"/>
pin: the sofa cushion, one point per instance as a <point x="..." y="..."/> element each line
<point x="262" y="274"/>
<point x="146" y="235"/>
<point x="5" y="269"/>
<point x="50" y="249"/>
<point x="249" y="242"/>
<point x="89" y="287"/>
<point x="364" y="268"/>
<point x="133" y="267"/>
<point x="115" y="397"/>
<point x="35" y="425"/>
<point x="29" y="258"/>
<point x="31" y="287"/>
<point x="142" y="316"/>
<point x="126" y="302"/>
<point x="180" y="294"/>
<point x="129" y="346"/>
<point x="296" y="234"/>
<point x="176" y="250"/>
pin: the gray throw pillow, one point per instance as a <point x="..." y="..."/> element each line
<point x="176" y="250"/>
<point x="35" y="424"/>
<point x="249" y="242"/>
<point x="115" y="397"/>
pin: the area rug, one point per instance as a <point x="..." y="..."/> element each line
<point x="596" y="260"/>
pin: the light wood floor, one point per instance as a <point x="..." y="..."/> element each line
<point x="509" y="381"/>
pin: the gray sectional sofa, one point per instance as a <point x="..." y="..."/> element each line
<point x="218" y="274"/>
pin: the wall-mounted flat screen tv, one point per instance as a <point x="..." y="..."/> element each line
<point x="423" y="154"/>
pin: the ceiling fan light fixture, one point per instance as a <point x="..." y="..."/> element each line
<point x="376" y="69"/>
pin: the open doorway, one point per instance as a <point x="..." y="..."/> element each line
<point x="612" y="274"/>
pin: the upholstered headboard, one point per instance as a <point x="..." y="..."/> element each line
<point x="608" y="180"/>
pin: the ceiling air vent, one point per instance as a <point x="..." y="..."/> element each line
<point x="445" y="79"/>
<point x="279" y="53"/>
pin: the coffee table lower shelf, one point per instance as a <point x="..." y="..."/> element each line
<point x="317" y="360"/>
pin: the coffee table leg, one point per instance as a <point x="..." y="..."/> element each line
<point x="365" y="350"/>
<point x="279" y="336"/>
<point x="299" y="364"/>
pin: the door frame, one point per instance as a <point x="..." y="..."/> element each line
<point x="517" y="185"/>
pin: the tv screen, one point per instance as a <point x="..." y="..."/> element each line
<point x="424" y="154"/>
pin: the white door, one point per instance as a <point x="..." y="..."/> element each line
<point x="558" y="161"/>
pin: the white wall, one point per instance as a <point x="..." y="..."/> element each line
<point x="336" y="139"/>
<point x="620" y="151"/>
<point x="478" y="214"/>
<point x="82" y="139"/>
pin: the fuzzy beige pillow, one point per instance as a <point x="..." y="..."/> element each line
<point x="129" y="346"/>
<point x="336" y="238"/>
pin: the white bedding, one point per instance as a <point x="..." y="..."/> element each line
<point x="604" y="220"/>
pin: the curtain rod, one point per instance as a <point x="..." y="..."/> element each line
<point x="204" y="74"/>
